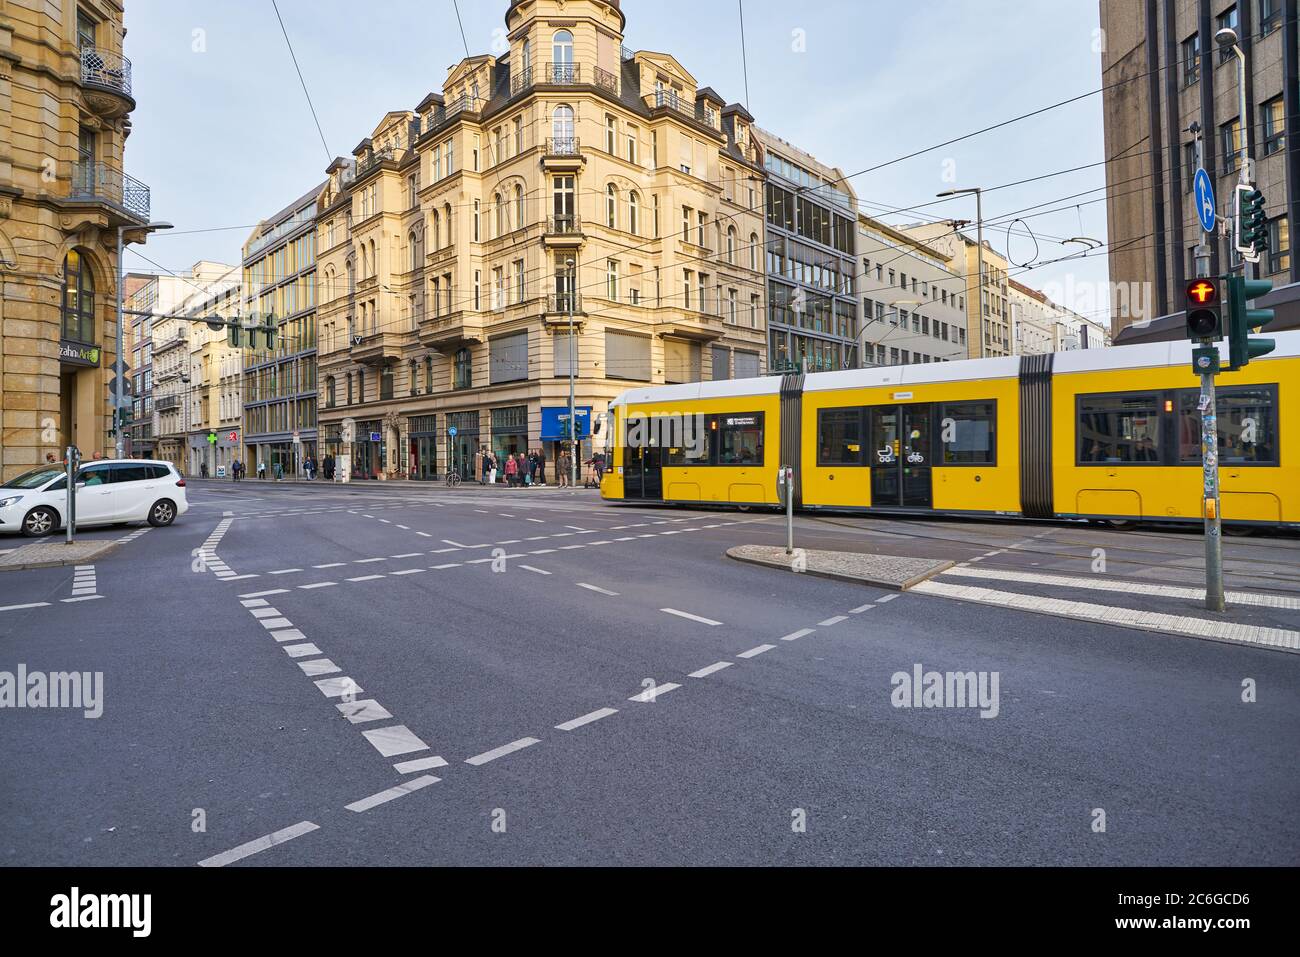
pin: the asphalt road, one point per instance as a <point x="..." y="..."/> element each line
<point x="575" y="683"/>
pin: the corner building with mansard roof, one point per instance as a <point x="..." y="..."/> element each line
<point x="565" y="197"/>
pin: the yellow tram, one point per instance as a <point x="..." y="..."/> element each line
<point x="1108" y="434"/>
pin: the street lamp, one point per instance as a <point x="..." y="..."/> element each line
<point x="573" y="431"/>
<point x="979" y="238"/>
<point x="119" y="450"/>
<point x="1227" y="38"/>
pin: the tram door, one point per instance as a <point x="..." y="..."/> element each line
<point x="643" y="475"/>
<point x="900" y="456"/>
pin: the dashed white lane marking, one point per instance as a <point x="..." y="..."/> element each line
<point x="860" y="609"/>
<point x="264" y="594"/>
<point x="1124" y="617"/>
<point x="711" y="669"/>
<point x="511" y="748"/>
<point x="67" y="601"/>
<point x="368" y="561"/>
<point x="408" y="555"/>
<point x="690" y="617"/>
<point x="315" y="585"/>
<point x="535" y="571"/>
<point x="285" y="571"/>
<point x="331" y="565"/>
<point x="32" y="604"/>
<point x="424" y="534"/>
<point x="407" y="571"/>
<point x="395" y="741"/>
<point x="1136" y="588"/>
<point x="254" y="602"/>
<point x="537" y="520"/>
<point x="267" y="612"/>
<point x="586" y="719"/>
<point x="288" y="634"/>
<point x="881" y="601"/>
<point x="258" y="845"/>
<point x="796" y="635"/>
<point x="301" y="651"/>
<point x="272" y="624"/>
<point x="755" y="652"/>
<point x="419" y="764"/>
<point x="650" y="694"/>
<point x="832" y="621"/>
<point x="543" y="551"/>
<point x="361" y="712"/>
<point x="392" y="794"/>
<point x="319" y="666"/>
<point x="366" y="578"/>
<point x="338" y="687"/>
<point x="598" y="589"/>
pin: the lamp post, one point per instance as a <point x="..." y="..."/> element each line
<point x="573" y="429"/>
<point x="979" y="238"/>
<point x="1227" y="38"/>
<point x="120" y="364"/>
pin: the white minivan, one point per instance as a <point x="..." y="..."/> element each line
<point x="109" y="492"/>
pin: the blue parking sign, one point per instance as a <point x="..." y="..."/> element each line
<point x="1205" y="201"/>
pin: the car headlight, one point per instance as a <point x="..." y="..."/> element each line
<point x="6" y="502"/>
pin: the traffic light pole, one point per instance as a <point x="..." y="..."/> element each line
<point x="1210" y="488"/>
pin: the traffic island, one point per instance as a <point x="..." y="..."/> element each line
<point x="53" y="554"/>
<point x="880" y="571"/>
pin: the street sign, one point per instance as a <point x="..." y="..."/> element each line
<point x="234" y="436"/>
<point x="297" y="439"/>
<point x="1205" y="201"/>
<point x="453" y="431"/>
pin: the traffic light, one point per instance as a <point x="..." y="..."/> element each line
<point x="234" y="333"/>
<point x="1204" y="309"/>
<point x="1252" y="222"/>
<point x="1243" y="321"/>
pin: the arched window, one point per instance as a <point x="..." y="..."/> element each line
<point x="364" y="272"/>
<point x="519" y="207"/>
<point x="349" y="388"/>
<point x="502" y="212"/>
<point x="633" y="213"/>
<point x="731" y="245"/>
<point x="611" y="206"/>
<point x="415" y="251"/>
<point x="329" y="392"/>
<point x="437" y="230"/>
<point x="753" y="251"/>
<point x="562" y="128"/>
<point x="374" y="259"/>
<point x="412" y="377"/>
<point x="526" y="58"/>
<point x="446" y="214"/>
<point x="562" y="57"/>
<point x="463" y="370"/>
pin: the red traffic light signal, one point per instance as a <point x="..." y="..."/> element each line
<point x="1204" y="309"/>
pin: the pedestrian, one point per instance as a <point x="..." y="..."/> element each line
<point x="598" y="462"/>
<point x="203" y="469"/>
<point x="311" y="469"/>
<point x="327" y="467"/>
<point x="532" y="467"/>
<point x="512" y="470"/>
<point x="487" y="465"/>
<point x="261" y="469"/>
<point x="564" y="464"/>
<point x="541" y="466"/>
<point x="234" y="470"/>
<point x="491" y="469"/>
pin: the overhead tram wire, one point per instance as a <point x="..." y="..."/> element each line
<point x="329" y="157"/>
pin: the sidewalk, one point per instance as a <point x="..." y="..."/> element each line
<point x="397" y="485"/>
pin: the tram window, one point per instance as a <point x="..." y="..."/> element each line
<point x="968" y="433"/>
<point x="839" y="437"/>
<point x="740" y="439"/>
<point x="1247" y="425"/>
<point x="685" y="439"/>
<point x="1119" y="429"/>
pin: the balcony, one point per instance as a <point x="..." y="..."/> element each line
<point x="563" y="231"/>
<point x="171" y="342"/>
<point x="378" y="349"/>
<point x="563" y="153"/>
<point x="605" y="80"/>
<point x="559" y="307"/>
<point x="107" y="79"/>
<point x="561" y="74"/>
<point x="452" y="109"/>
<point x="696" y="326"/>
<point x="389" y="158"/>
<point x="450" y="331"/>
<point x="98" y="183"/>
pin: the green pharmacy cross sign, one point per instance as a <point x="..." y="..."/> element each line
<point x="212" y="438"/>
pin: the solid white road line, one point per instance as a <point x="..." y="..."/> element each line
<point x="755" y="652"/>
<point x="586" y="719"/>
<point x="649" y="695"/>
<point x="689" y="616"/>
<point x="392" y="794"/>
<point x="598" y="589"/>
<point x="1123" y="617"/>
<point x="258" y="845"/>
<point x="711" y="669"/>
<point x="34" y="604"/>
<point x="511" y="748"/>
<point x="419" y="764"/>
<point x="796" y="635"/>
<point x="1136" y="588"/>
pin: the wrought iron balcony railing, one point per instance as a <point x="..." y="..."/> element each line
<point x="605" y="80"/>
<point x="570" y="225"/>
<point x="563" y="303"/>
<point x="109" y="70"/>
<point x="563" y="146"/>
<point x="562" y="74"/>
<point x="100" y="182"/>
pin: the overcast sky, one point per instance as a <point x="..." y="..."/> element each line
<point x="224" y="137"/>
